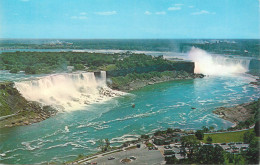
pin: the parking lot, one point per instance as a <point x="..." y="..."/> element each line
<point x="142" y="155"/>
<point x="229" y="147"/>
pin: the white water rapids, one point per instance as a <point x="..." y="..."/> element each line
<point x="68" y="91"/>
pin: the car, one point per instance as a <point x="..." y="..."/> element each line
<point x="111" y="158"/>
<point x="223" y="143"/>
<point x="167" y="147"/>
<point x="133" y="157"/>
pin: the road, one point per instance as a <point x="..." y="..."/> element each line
<point x="142" y="154"/>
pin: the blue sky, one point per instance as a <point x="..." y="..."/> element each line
<point x="129" y="19"/>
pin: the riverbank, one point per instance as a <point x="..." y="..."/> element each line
<point x="243" y="115"/>
<point x="15" y="110"/>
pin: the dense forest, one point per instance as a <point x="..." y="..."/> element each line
<point x="47" y="62"/>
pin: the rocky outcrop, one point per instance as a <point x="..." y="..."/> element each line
<point x="239" y="113"/>
<point x="16" y="110"/>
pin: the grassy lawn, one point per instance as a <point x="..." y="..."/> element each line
<point x="226" y="137"/>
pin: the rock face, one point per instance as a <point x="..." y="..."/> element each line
<point x="137" y="84"/>
<point x="237" y="113"/>
<point x="16" y="110"/>
<point x="177" y="66"/>
<point x="254" y="64"/>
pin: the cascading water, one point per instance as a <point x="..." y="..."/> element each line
<point x="208" y="64"/>
<point x="67" y="91"/>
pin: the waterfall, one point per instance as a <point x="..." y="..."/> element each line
<point x="71" y="91"/>
<point x="209" y="64"/>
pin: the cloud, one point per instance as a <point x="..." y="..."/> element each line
<point x="79" y="17"/>
<point x="191" y="6"/>
<point x="82" y="13"/>
<point x="174" y="8"/>
<point x="179" y="4"/>
<point x="202" y="12"/>
<point x="161" y="13"/>
<point x="106" y="13"/>
<point x="147" y="13"/>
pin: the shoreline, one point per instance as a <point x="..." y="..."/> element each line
<point x="32" y="112"/>
<point x="37" y="113"/>
<point x="129" y="85"/>
<point x="242" y="115"/>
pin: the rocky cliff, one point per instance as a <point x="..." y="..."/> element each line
<point x="137" y="81"/>
<point x="16" y="110"/>
<point x="240" y="113"/>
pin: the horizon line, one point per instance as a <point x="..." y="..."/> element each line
<point x="131" y="38"/>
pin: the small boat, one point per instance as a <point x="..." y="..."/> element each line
<point x="133" y="105"/>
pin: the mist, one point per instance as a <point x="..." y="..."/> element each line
<point x="210" y="64"/>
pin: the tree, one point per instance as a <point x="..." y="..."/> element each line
<point x="208" y="154"/>
<point x="252" y="155"/>
<point x="158" y="133"/>
<point x="145" y="136"/>
<point x="218" y="155"/>
<point x="14" y="70"/>
<point x="256" y="128"/>
<point x="30" y="70"/>
<point x="211" y="128"/>
<point x="107" y="146"/>
<point x="205" y="154"/>
<point x="79" y="67"/>
<point x="192" y="144"/>
<point x="205" y="129"/>
<point x="209" y="139"/>
<point x="169" y="130"/>
<point x="237" y="159"/>
<point x="230" y="157"/>
<point x="171" y="160"/>
<point x="248" y="136"/>
<point x="199" y="134"/>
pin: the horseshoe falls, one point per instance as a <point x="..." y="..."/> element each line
<point x="209" y="64"/>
